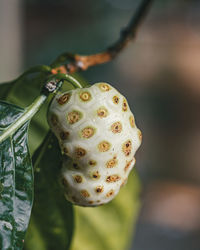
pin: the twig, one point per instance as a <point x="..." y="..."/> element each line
<point x="83" y="62"/>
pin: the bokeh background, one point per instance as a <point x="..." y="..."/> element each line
<point x="159" y="73"/>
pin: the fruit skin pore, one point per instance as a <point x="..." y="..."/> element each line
<point x="98" y="138"/>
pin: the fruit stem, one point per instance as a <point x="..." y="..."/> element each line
<point x="73" y="81"/>
<point x="68" y="78"/>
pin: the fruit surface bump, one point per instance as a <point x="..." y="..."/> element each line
<point x="98" y="138"/>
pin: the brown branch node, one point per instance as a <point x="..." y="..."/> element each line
<point x="83" y="62"/>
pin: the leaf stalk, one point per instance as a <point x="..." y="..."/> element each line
<point x="30" y="111"/>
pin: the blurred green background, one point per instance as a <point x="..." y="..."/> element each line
<point x="159" y="73"/>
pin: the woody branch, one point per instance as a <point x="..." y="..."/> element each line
<point x="83" y="62"/>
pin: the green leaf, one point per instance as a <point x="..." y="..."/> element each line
<point x="51" y="224"/>
<point x="16" y="180"/>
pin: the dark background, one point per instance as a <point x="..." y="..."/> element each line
<point x="159" y="73"/>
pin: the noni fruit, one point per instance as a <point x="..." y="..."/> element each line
<point x="97" y="133"/>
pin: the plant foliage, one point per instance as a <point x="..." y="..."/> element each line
<point x="16" y="180"/>
<point x="52" y="219"/>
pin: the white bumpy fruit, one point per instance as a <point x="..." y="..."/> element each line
<point x="97" y="130"/>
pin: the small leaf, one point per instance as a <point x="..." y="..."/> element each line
<point x="16" y="180"/>
<point x="51" y="224"/>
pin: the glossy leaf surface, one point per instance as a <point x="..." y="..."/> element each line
<point x="16" y="180"/>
